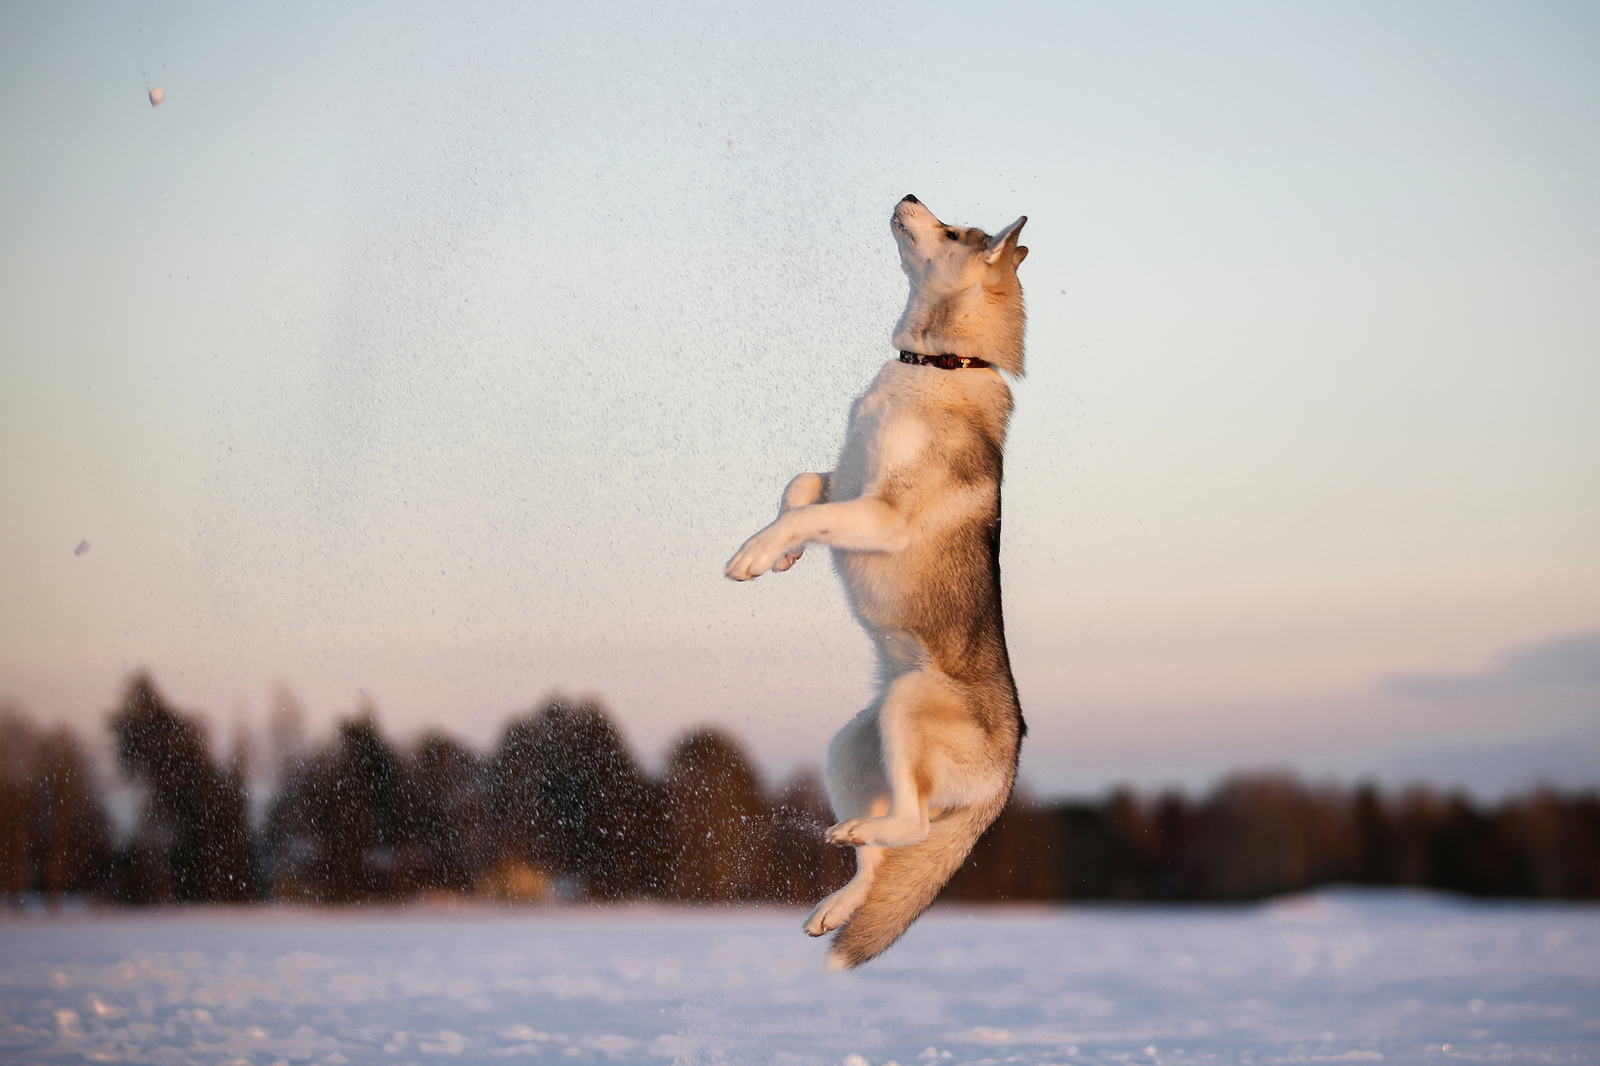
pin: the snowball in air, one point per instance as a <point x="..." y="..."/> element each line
<point x="157" y="95"/>
<point x="82" y="547"/>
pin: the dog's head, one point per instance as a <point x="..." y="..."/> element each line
<point x="965" y="297"/>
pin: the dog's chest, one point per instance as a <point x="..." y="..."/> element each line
<point x="886" y="441"/>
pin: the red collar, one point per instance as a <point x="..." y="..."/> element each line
<point x="943" y="362"/>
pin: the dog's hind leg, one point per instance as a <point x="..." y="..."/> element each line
<point x="840" y="907"/>
<point x="911" y="697"/>
<point x="857" y="787"/>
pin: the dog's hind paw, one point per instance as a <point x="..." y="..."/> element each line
<point x="852" y="832"/>
<point x="886" y="832"/>
<point x="833" y="912"/>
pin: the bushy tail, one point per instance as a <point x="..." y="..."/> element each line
<point x="907" y="881"/>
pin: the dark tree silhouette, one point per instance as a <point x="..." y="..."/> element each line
<point x="562" y="799"/>
<point x="17" y="741"/>
<point x="722" y="830"/>
<point x="1559" y="843"/>
<point x="195" y="827"/>
<point x="1375" y="848"/>
<point x="1260" y="836"/>
<point x="72" y="839"/>
<point x="572" y="800"/>
<point x="804" y="867"/>
<point x="1017" y="859"/>
<point x="450" y="826"/>
<point x="340" y="824"/>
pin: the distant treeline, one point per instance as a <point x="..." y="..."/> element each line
<point x="562" y="808"/>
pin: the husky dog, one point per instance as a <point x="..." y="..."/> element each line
<point x="912" y="513"/>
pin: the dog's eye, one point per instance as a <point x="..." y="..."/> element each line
<point x="951" y="234"/>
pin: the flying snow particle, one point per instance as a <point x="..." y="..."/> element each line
<point x="82" y="547"/>
<point x="158" y="96"/>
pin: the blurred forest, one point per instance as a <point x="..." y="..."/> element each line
<point x="562" y="809"/>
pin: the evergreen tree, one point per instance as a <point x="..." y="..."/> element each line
<point x="722" y="831"/>
<point x="72" y="840"/>
<point x="450" y="827"/>
<point x="571" y="799"/>
<point x="18" y="739"/>
<point x="340" y="825"/>
<point x="195" y="826"/>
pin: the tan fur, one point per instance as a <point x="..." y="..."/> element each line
<point x="912" y="513"/>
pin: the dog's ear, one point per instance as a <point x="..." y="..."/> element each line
<point x="1018" y="256"/>
<point x="1004" y="241"/>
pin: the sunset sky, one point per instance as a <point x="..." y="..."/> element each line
<point x="437" y="357"/>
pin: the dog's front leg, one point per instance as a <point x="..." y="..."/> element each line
<point x="804" y="490"/>
<point x="867" y="524"/>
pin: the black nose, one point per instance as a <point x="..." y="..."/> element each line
<point x="908" y="198"/>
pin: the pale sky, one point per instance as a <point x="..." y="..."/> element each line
<point x="438" y="356"/>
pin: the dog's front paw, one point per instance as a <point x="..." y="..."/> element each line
<point x="744" y="566"/>
<point x="852" y="832"/>
<point x="759" y="554"/>
<point x="788" y="560"/>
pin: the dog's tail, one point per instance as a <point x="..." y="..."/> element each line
<point x="907" y="881"/>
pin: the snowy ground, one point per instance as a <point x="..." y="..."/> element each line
<point x="1335" y="976"/>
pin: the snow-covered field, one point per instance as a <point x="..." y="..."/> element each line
<point x="1335" y="976"/>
